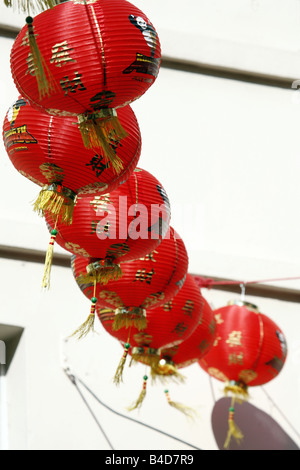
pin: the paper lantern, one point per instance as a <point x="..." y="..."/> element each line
<point x="48" y="150"/>
<point x="112" y="229"/>
<point x="146" y="283"/>
<point x="165" y="363"/>
<point x="167" y="326"/>
<point x="249" y="350"/>
<point x="192" y="349"/>
<point x="87" y="58"/>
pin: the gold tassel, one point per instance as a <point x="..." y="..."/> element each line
<point x="102" y="131"/>
<point x="141" y="396"/>
<point x="25" y="6"/>
<point x="48" y="260"/>
<point x="88" y="325"/>
<point x="45" y="81"/>
<point x="238" y="389"/>
<point x="102" y="272"/>
<point x="56" y="201"/>
<point x="233" y="430"/>
<point x="165" y="372"/>
<point x="145" y="355"/>
<point x="186" y="410"/>
<point x="125" y="318"/>
<point x="118" y="378"/>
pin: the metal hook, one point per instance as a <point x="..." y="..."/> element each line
<point x="243" y="291"/>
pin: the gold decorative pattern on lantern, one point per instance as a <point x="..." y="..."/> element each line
<point x="52" y="172"/>
<point x="111" y="297"/>
<point x="217" y="374"/>
<point x="75" y="248"/>
<point x="92" y="188"/>
<point x="236" y="358"/>
<point x="31" y="178"/>
<point x="143" y="339"/>
<point x="234" y="339"/>
<point x="247" y="376"/>
<point x="153" y="299"/>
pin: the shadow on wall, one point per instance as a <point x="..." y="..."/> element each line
<point x="261" y="432"/>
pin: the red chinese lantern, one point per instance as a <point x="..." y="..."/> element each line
<point x="192" y="349"/>
<point x="114" y="228"/>
<point x="49" y="151"/>
<point x="249" y="350"/>
<point x="165" y="362"/>
<point x="167" y="326"/>
<point x="87" y="58"/>
<point x="146" y="283"/>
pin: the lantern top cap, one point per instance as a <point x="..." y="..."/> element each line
<point x="248" y="305"/>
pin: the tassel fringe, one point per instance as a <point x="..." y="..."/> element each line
<point x="141" y="396"/>
<point x="126" y="321"/>
<point x="118" y="378"/>
<point x="45" y="81"/>
<point x="97" y="133"/>
<point x="48" y="261"/>
<point x="88" y="325"/>
<point x="239" y="390"/>
<point x="233" y="430"/>
<point x="101" y="275"/>
<point x="55" y="204"/>
<point x="186" y="410"/>
<point x="27" y="6"/>
<point x="167" y="372"/>
<point x="147" y="356"/>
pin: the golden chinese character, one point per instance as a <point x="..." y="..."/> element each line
<point x="150" y="257"/>
<point x="168" y="306"/>
<point x="188" y="308"/>
<point x="236" y="358"/>
<point x="142" y="275"/>
<point x="218" y="318"/>
<point x="61" y="54"/>
<point x="234" y="339"/>
<point x="101" y="202"/>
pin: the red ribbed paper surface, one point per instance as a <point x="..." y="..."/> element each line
<point x="48" y="149"/>
<point x="148" y="282"/>
<point x="168" y="325"/>
<point x="101" y="54"/>
<point x="249" y="347"/>
<point x="125" y="224"/>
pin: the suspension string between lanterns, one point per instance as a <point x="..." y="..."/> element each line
<point x="207" y="283"/>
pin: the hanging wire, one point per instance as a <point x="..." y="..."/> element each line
<point x="280" y="411"/>
<point x="207" y="282"/>
<point x="243" y="291"/>
<point x="74" y="381"/>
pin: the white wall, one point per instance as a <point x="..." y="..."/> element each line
<point x="228" y="155"/>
